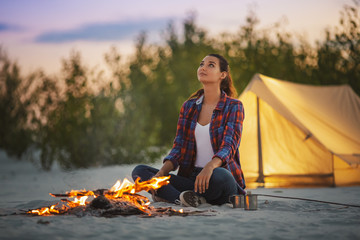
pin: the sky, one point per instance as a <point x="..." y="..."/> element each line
<point x="38" y="34"/>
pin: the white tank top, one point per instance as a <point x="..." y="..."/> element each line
<point x="204" y="151"/>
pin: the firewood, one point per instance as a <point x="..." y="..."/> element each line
<point x="101" y="202"/>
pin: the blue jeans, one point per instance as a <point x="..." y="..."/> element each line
<point x="221" y="186"/>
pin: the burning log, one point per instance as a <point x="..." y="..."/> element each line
<point x="100" y="202"/>
<point x="122" y="199"/>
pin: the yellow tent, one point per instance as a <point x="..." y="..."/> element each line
<point x="299" y="135"/>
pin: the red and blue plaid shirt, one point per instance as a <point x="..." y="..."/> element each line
<point x="225" y="133"/>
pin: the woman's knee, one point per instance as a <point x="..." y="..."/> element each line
<point x="138" y="171"/>
<point x="143" y="172"/>
<point x="222" y="176"/>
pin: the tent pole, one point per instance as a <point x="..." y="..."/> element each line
<point x="261" y="170"/>
<point x="333" y="169"/>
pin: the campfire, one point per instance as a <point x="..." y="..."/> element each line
<point x="120" y="199"/>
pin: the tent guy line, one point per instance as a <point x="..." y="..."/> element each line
<point x="310" y="200"/>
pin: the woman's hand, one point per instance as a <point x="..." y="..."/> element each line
<point x="165" y="169"/>
<point x="203" y="178"/>
<point x="160" y="174"/>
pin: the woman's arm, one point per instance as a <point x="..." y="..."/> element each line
<point x="232" y="134"/>
<point x="166" y="168"/>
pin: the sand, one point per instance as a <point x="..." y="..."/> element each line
<point x="23" y="186"/>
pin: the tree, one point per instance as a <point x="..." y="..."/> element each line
<point x="14" y="137"/>
<point x="339" y="55"/>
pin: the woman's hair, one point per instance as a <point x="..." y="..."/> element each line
<point x="226" y="84"/>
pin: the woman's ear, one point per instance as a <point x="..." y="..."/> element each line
<point x="223" y="75"/>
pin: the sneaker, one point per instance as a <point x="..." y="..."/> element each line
<point x="191" y="199"/>
<point x="158" y="199"/>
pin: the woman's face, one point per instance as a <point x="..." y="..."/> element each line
<point x="209" y="71"/>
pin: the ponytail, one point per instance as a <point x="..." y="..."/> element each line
<point x="227" y="83"/>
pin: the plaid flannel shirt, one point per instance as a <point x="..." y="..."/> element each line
<point x="225" y="133"/>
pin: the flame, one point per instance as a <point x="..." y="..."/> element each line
<point x="125" y="190"/>
<point x="119" y="186"/>
<point x="75" y="193"/>
<point x="126" y="186"/>
<point x="78" y="201"/>
<point x="45" y="210"/>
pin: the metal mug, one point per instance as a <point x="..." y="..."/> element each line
<point x="237" y="201"/>
<point x="250" y="201"/>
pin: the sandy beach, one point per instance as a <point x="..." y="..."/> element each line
<point x="24" y="187"/>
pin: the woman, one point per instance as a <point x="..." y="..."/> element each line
<point x="206" y="145"/>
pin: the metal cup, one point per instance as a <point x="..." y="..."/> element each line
<point x="237" y="201"/>
<point x="250" y="202"/>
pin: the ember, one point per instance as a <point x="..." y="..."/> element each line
<point x="121" y="199"/>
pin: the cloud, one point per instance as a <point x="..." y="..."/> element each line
<point x="102" y="31"/>
<point x="8" y="27"/>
